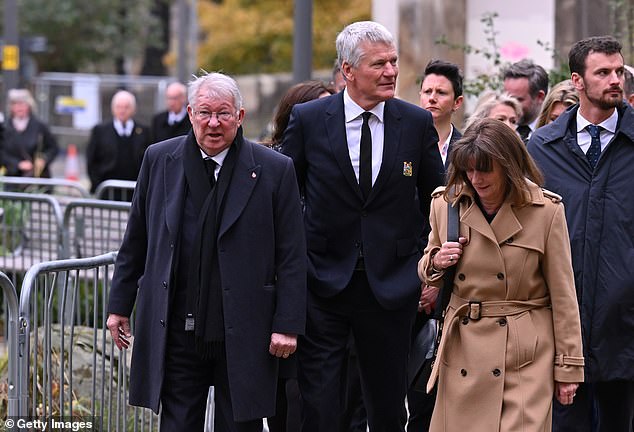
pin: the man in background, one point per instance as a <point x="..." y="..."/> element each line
<point x="175" y="121"/>
<point x="116" y="147"/>
<point x="528" y="83"/>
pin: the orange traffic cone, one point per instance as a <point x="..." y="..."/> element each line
<point x="71" y="169"/>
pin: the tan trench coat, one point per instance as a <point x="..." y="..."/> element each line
<point x="497" y="373"/>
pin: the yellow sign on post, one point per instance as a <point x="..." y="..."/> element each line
<point x="10" y="57"/>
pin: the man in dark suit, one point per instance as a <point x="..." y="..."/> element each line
<point x="116" y="147"/>
<point x="214" y="256"/>
<point x="175" y="121"/>
<point x="441" y="95"/>
<point x="361" y="158"/>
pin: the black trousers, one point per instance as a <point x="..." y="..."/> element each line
<point x="598" y="407"/>
<point x="186" y="385"/>
<point x="382" y="339"/>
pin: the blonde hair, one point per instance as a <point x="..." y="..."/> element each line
<point x="489" y="100"/>
<point x="563" y="92"/>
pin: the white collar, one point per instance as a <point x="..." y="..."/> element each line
<point x="353" y="111"/>
<point x="608" y="124"/>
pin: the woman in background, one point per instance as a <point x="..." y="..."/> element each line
<point x="562" y="96"/>
<point x="29" y="147"/>
<point x="501" y="107"/>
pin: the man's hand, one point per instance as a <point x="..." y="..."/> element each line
<point x="119" y="327"/>
<point x="565" y="392"/>
<point x="283" y="345"/>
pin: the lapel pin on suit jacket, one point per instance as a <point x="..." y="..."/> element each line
<point x="407" y="169"/>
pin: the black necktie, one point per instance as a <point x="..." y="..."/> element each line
<point x="365" y="157"/>
<point x="524" y="131"/>
<point x="210" y="167"/>
<point x="594" y="151"/>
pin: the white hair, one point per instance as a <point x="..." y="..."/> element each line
<point x="349" y="41"/>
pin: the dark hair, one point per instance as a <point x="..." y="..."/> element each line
<point x="489" y="140"/>
<point x="581" y="49"/>
<point x="536" y="75"/>
<point x="629" y="83"/>
<point x="449" y="70"/>
<point x="299" y="93"/>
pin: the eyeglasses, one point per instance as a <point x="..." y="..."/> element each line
<point x="222" y="116"/>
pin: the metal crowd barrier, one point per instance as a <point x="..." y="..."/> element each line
<point x="93" y="227"/>
<point x="11" y="323"/>
<point x="67" y="369"/>
<point x="54" y="186"/>
<point x="115" y="190"/>
<point x="30" y="231"/>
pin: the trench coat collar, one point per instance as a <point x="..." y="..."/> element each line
<point x="505" y="224"/>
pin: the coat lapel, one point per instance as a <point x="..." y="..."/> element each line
<point x="336" y="131"/>
<point x="245" y="176"/>
<point x="174" y="180"/>
<point x="505" y="224"/>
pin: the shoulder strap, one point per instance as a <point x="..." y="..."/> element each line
<point x="453" y="233"/>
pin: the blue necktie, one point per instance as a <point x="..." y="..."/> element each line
<point x="595" y="146"/>
<point x="365" y="157"/>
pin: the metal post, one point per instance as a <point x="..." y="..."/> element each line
<point x="11" y="48"/>
<point x="303" y="40"/>
<point x="182" y="37"/>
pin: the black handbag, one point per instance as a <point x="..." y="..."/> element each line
<point x="427" y="340"/>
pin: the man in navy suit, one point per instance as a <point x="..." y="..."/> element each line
<point x="366" y="164"/>
<point x="214" y="257"/>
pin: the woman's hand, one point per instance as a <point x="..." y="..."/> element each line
<point x="565" y="392"/>
<point x="449" y="254"/>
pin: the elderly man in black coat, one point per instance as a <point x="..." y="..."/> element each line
<point x="215" y="258"/>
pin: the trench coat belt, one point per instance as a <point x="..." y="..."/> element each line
<point x="495" y="308"/>
<point x="475" y="310"/>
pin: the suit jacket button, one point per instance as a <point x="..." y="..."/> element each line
<point x="162" y="323"/>
<point x="496" y="372"/>
<point x="461" y="276"/>
<point x="165" y="284"/>
<point x="501" y="276"/>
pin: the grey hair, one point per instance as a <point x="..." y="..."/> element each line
<point x="490" y="100"/>
<point x="535" y="74"/>
<point x="349" y="41"/>
<point x="21" y="95"/>
<point x="216" y="84"/>
<point x="126" y="95"/>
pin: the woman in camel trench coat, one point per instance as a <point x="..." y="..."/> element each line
<point x="512" y="336"/>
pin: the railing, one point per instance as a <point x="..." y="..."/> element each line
<point x="53" y="186"/>
<point x="115" y="190"/>
<point x="52" y="379"/>
<point x="11" y="322"/>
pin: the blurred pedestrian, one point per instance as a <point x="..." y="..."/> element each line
<point x="497" y="106"/>
<point x="174" y="121"/>
<point x="29" y="147"/>
<point x="116" y="147"/>
<point x="528" y="83"/>
<point x="562" y="96"/>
